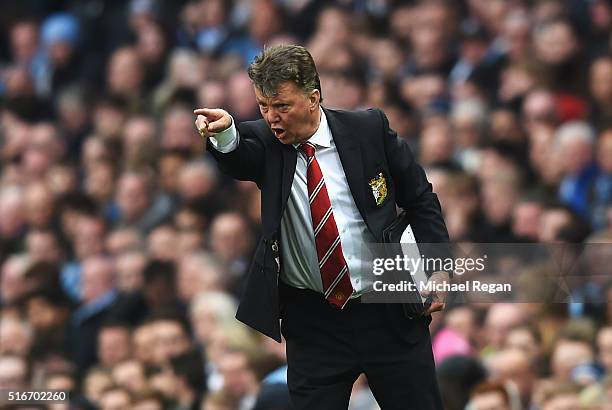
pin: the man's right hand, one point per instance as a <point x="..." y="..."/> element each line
<point x="210" y="121"/>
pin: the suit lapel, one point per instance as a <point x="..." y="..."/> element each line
<point x="285" y="169"/>
<point x="349" y="151"/>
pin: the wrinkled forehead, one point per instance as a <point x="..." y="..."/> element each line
<point x="285" y="90"/>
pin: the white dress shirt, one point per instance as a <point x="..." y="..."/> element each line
<point x="300" y="267"/>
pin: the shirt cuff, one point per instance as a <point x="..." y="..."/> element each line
<point x="225" y="141"/>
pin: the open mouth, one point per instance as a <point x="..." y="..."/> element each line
<point x="278" y="132"/>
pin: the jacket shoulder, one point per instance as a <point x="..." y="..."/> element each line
<point x="364" y="117"/>
<point x="354" y="114"/>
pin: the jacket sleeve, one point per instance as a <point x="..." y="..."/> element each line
<point x="246" y="162"/>
<point x="413" y="191"/>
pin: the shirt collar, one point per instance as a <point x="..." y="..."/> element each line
<point x="322" y="135"/>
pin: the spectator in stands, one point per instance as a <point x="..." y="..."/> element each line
<point x="231" y="242"/>
<point x="148" y="401"/>
<point x="43" y="246"/>
<point x="115" y="398"/>
<point x="13" y="285"/>
<point x="514" y="368"/>
<point x="97" y="297"/>
<point x="138" y="203"/>
<point x="113" y="344"/>
<point x="130" y="271"/>
<point x="602" y="186"/>
<point x="576" y="142"/>
<point x="14" y="372"/>
<point x="15" y="337"/>
<point x="604" y="347"/>
<point x="489" y="395"/>
<point x="170" y="338"/>
<point x="197" y="273"/>
<point x="600" y="87"/>
<point x="210" y="311"/>
<point x="567" y="354"/>
<point x="130" y="374"/>
<point x="239" y="380"/>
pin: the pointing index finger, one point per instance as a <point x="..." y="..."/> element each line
<point x="201" y="111"/>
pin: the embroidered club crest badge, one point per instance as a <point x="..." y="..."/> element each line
<point x="379" y="188"/>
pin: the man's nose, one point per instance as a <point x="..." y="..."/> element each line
<point x="272" y="117"/>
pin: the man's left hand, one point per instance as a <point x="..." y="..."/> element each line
<point x="437" y="293"/>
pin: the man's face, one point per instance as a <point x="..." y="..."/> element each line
<point x="132" y="196"/>
<point x="230" y="237"/>
<point x="169" y="341"/>
<point x="291" y="114"/>
<point x="489" y="401"/>
<point x="601" y="80"/>
<point x="567" y="355"/>
<point x="43" y="246"/>
<point x="237" y="377"/>
<point x="113" y="345"/>
<point x="12" y="373"/>
<point x="115" y="400"/>
<point x="604" y="344"/>
<point x="522" y="339"/>
<point x="14" y="338"/>
<point x="130" y="374"/>
<point x="142" y="340"/>
<point x="604" y="151"/>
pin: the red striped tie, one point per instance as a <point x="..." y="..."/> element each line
<point x="334" y="270"/>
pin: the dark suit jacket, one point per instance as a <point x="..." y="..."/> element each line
<point x="366" y="146"/>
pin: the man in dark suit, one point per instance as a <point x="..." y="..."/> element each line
<point x="330" y="182"/>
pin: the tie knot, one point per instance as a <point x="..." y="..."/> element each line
<point x="308" y="148"/>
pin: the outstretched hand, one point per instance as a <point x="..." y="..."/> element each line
<point x="210" y="121"/>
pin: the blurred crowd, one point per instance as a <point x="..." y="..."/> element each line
<point x="123" y="250"/>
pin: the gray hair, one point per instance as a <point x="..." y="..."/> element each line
<point x="573" y="131"/>
<point x="223" y="305"/>
<point x="472" y="109"/>
<point x="278" y="64"/>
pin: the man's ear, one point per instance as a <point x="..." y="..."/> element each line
<point x="315" y="98"/>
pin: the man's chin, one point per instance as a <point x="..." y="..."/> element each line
<point x="284" y="138"/>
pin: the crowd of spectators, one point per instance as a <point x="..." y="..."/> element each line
<point x="123" y="250"/>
